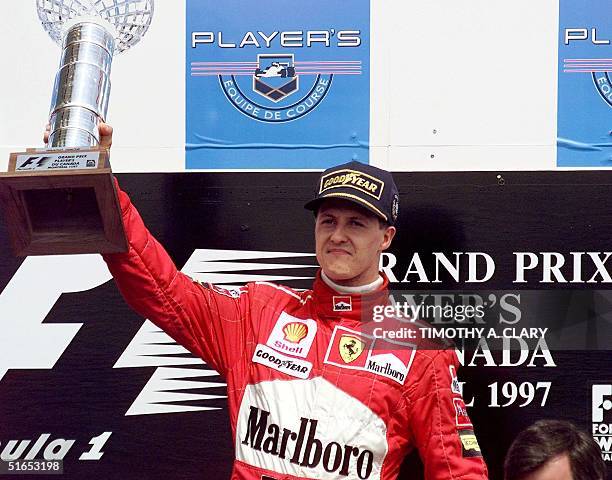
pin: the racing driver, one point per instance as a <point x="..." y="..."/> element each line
<point x="311" y="394"/>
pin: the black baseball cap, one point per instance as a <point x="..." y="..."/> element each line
<point x="365" y="185"/>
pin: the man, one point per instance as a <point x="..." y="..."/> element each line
<point x="311" y="394"/>
<point x="554" y="450"/>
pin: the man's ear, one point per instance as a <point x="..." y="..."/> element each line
<point x="388" y="237"/>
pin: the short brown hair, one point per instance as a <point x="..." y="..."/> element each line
<point x="546" y="439"/>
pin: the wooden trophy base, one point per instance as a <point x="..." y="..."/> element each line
<point x="62" y="202"/>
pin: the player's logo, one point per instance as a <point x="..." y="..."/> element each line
<point x="275" y="77"/>
<point x="276" y="87"/>
<point x="350" y="348"/>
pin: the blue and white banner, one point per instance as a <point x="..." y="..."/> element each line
<point x="584" y="118"/>
<point x="272" y="85"/>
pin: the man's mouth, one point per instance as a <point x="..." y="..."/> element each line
<point x="338" y="251"/>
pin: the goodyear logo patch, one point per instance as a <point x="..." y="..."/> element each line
<point x="352" y="179"/>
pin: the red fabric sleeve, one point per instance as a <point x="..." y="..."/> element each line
<point x="208" y="321"/>
<point x="444" y="438"/>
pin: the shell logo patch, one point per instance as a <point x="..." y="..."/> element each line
<point x="292" y="335"/>
<point x="295" y="332"/>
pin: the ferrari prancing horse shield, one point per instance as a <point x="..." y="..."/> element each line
<point x="350" y="348"/>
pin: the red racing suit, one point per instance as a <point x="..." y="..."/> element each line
<point x="311" y="395"/>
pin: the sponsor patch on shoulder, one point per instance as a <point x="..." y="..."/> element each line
<point x="461" y="416"/>
<point x="295" y="367"/>
<point x="455" y="385"/>
<point x="469" y="444"/>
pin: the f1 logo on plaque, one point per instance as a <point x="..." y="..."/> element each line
<point x="266" y="80"/>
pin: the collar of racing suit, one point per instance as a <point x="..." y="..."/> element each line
<point x="335" y="305"/>
<point x="361" y="289"/>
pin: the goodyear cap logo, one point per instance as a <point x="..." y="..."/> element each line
<point x="366" y="185"/>
<point x="352" y="179"/>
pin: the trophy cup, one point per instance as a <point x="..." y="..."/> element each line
<point x="62" y="199"/>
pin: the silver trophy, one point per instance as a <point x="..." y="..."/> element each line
<point x="90" y="32"/>
<point x="62" y="199"/>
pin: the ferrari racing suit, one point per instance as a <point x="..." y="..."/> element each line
<point x="312" y="394"/>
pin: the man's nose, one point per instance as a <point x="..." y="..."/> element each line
<point x="339" y="234"/>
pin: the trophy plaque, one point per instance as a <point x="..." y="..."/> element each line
<point x="62" y="199"/>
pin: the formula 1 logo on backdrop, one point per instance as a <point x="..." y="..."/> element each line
<point x="278" y="86"/>
<point x="28" y="342"/>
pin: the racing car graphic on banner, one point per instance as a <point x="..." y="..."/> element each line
<point x="275" y="76"/>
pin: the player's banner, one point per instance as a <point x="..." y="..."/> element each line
<point x="584" y="111"/>
<point x="271" y="85"/>
<point x="508" y="268"/>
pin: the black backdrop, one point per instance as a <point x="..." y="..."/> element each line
<point x="83" y="396"/>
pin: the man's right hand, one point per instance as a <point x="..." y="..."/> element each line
<point x="105" y="130"/>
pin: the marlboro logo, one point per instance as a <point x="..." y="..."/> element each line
<point x="303" y="448"/>
<point x="342" y="303"/>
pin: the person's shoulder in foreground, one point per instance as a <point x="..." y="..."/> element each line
<point x="554" y="450"/>
<point x="311" y="395"/>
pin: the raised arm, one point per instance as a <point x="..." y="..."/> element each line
<point x="197" y="316"/>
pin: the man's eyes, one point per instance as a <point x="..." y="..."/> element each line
<point x="330" y="221"/>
